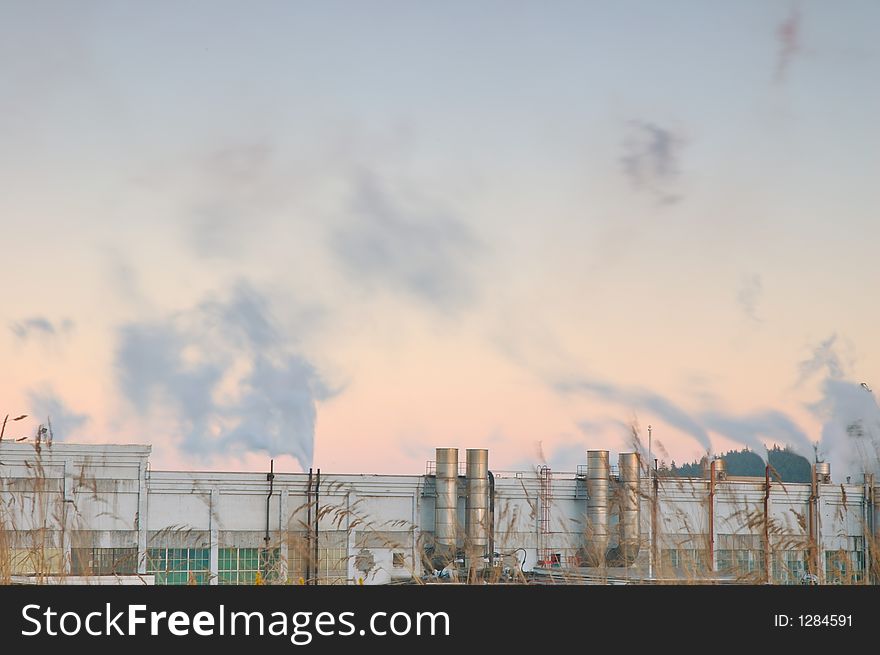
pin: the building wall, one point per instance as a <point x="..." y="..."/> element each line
<point x="99" y="509"/>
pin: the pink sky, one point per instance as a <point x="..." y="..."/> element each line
<point x="476" y="234"/>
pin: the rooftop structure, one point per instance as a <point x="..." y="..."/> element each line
<point x="95" y="512"/>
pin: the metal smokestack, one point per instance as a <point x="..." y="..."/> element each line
<point x="446" y="508"/>
<point x="598" y="475"/>
<point x="477" y="506"/>
<point x="720" y="469"/>
<point x="625" y="553"/>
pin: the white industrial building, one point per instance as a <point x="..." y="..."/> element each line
<point x="99" y="513"/>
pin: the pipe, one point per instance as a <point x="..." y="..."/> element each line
<point x="270" y="476"/>
<point x="308" y="557"/>
<point x="869" y="526"/>
<point x="874" y="564"/>
<point x="629" y="542"/>
<point x="477" y="503"/>
<point x="317" y="522"/>
<point x="656" y="483"/>
<point x="711" y="558"/>
<point x="866" y="487"/>
<point x="813" y="564"/>
<point x="598" y="474"/>
<point x="446" y="506"/>
<point x="766" y="542"/>
<point x="491" y="519"/>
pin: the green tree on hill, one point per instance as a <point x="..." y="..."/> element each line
<point x="789" y="466"/>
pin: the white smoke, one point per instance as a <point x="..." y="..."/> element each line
<point x="230" y="375"/>
<point x="849" y="413"/>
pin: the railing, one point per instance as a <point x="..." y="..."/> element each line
<point x="431" y="467"/>
<point x="613" y="471"/>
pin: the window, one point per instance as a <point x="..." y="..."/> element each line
<point x="103" y="561"/>
<point x="740" y="562"/>
<point x="179" y="565"/>
<point x="332" y="556"/>
<point x="688" y="560"/>
<point x="241" y="565"/>
<point x="846" y="566"/>
<point x="789" y="567"/>
<point x="299" y="556"/>
<point x="398" y="560"/>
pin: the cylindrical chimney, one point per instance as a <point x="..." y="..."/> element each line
<point x="446" y="507"/>
<point x="628" y="464"/>
<point x="598" y="475"/>
<point x="477" y="504"/>
<point x="720" y="468"/>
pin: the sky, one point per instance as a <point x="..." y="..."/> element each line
<point x="342" y="234"/>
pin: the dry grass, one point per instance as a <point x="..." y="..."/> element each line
<point x="39" y="530"/>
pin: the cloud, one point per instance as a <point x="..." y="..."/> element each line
<point x="40" y="327"/>
<point x="749" y="295"/>
<point x="236" y="190"/>
<point x="643" y="400"/>
<point x="752" y="429"/>
<point x="228" y="373"/>
<point x="123" y="278"/>
<point x="420" y="252"/>
<point x="749" y="430"/>
<point x="567" y="456"/>
<point x="788" y="37"/>
<point x="825" y="357"/>
<point x="850" y="426"/>
<point x="651" y="159"/>
<point x="848" y="410"/>
<point x="46" y="406"/>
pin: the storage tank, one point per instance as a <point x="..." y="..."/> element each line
<point x="720" y="468"/>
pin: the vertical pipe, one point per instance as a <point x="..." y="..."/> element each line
<point x="812" y="552"/>
<point x="598" y="474"/>
<point x="874" y="564"/>
<point x="869" y="529"/>
<point x="656" y="483"/>
<point x="491" y="519"/>
<point x="270" y="476"/>
<point x="629" y="466"/>
<point x="317" y="523"/>
<point x="477" y="504"/>
<point x="711" y="558"/>
<point x="308" y="557"/>
<point x="766" y="542"/>
<point x="446" y="507"/>
<point x="650" y="525"/>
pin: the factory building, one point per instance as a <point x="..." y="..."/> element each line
<point x="100" y="513"/>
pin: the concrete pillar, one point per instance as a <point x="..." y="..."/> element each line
<point x="214" y="564"/>
<point x="141" y="519"/>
